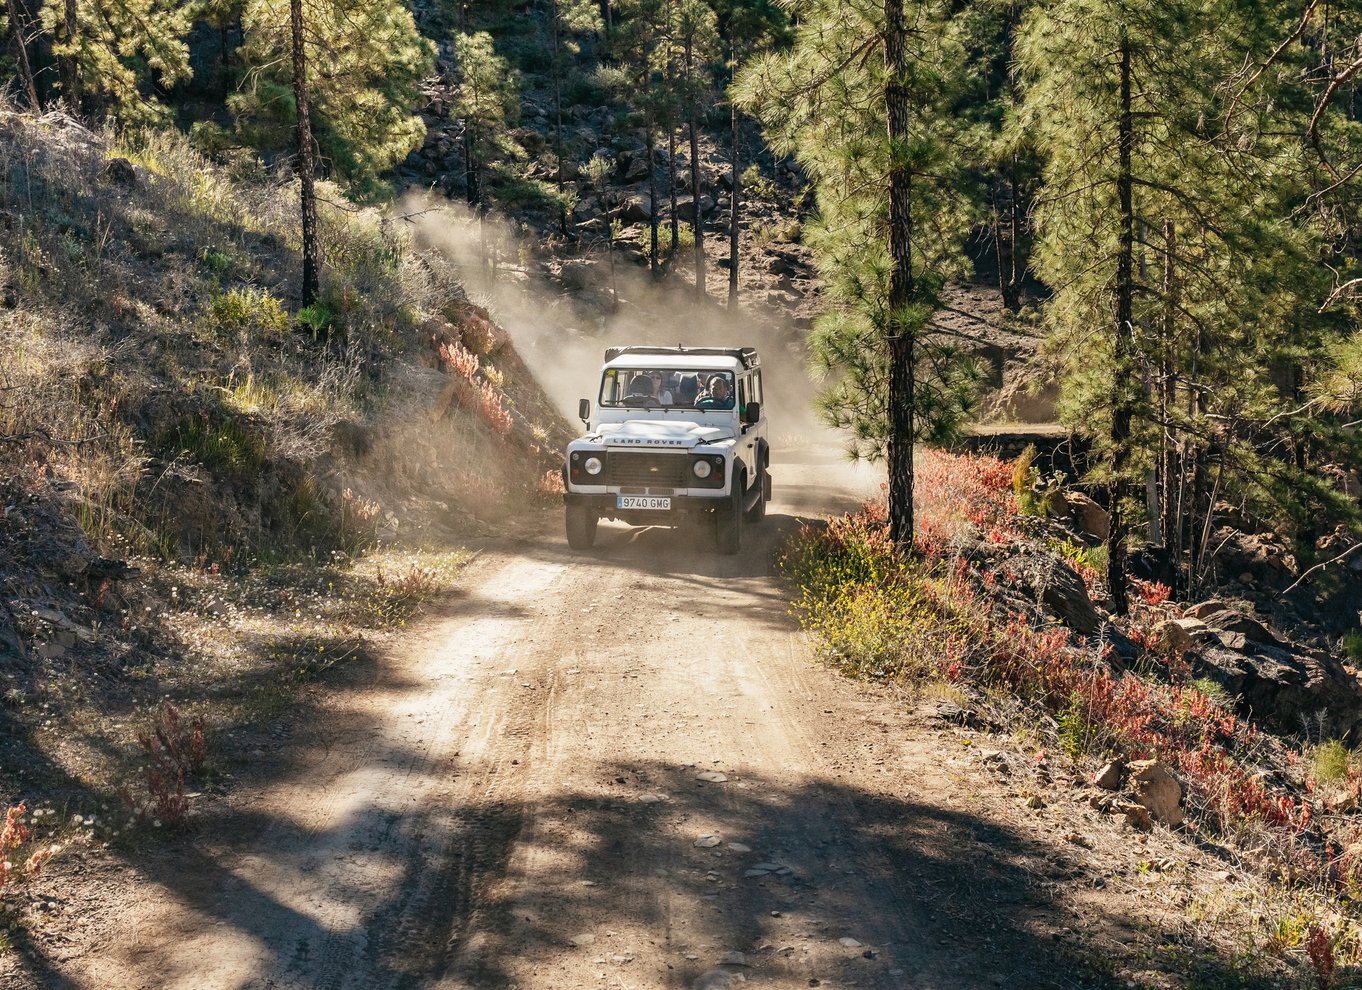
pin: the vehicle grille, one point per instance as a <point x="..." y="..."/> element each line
<point x="640" y="467"/>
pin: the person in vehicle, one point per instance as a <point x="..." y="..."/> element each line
<point x="641" y="387"/>
<point x="663" y="387"/>
<point x="720" y="395"/>
<point x="687" y="389"/>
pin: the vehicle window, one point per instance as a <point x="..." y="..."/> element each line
<point x="668" y="388"/>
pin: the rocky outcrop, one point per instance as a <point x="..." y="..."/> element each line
<point x="1057" y="586"/>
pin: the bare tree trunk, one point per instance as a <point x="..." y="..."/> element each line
<point x="736" y="198"/>
<point x="1170" y="470"/>
<point x="306" y="171"/>
<point x="902" y="372"/>
<point x="558" y="115"/>
<point x="70" y="72"/>
<point x="675" y="220"/>
<point x="19" y="25"/>
<point x="1122" y="345"/>
<point x="653" y="264"/>
<point x="700" y="291"/>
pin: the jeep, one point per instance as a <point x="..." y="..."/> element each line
<point x="677" y="437"/>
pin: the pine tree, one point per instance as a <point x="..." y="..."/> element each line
<point x="1182" y="284"/>
<point x="112" y="52"/>
<point x="864" y="98"/>
<point x="485" y="97"/>
<point x="567" y="20"/>
<point x="367" y="60"/>
<point x="747" y="26"/>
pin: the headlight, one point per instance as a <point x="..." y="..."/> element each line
<point x="593" y="465"/>
<point x="702" y="469"/>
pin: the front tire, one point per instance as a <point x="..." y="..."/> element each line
<point x="581" y="526"/>
<point x="728" y="520"/>
<point x="758" y="511"/>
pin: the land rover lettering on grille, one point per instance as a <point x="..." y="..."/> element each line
<point x="676" y="436"/>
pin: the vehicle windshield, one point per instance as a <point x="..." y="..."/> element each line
<point x="666" y="388"/>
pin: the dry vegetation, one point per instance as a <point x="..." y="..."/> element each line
<point x="1260" y="882"/>
<point x="212" y="498"/>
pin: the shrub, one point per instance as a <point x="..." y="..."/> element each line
<point x="249" y="312"/>
<point x="1331" y="762"/>
<point x="318" y="318"/>
<point x="1352" y="645"/>
<point x="222" y="443"/>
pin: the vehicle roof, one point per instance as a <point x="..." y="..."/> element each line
<point x="682" y="362"/>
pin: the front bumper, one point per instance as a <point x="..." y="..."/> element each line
<point x="683" y="507"/>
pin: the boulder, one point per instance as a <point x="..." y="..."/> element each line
<point x="119" y="172"/>
<point x="575" y="276"/>
<point x="529" y="139"/>
<point x="1206" y="608"/>
<point x="1156" y="791"/>
<point x="687" y="205"/>
<point x="1246" y="626"/>
<point x="1181" y="635"/>
<point x="1109" y="777"/>
<point x="1058" y="586"/>
<point x="1285" y="687"/>
<point x="636" y="209"/>
<point x="1090" y="517"/>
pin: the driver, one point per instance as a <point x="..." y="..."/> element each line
<point x="720" y="395"/>
<point x="641" y="387"/>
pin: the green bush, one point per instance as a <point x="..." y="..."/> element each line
<point x="318" y="318"/>
<point x="1331" y="761"/>
<point x="249" y="312"/>
<point x="222" y="443"/>
<point x="1352" y="645"/>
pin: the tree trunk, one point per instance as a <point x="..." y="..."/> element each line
<point x="675" y="220"/>
<point x="558" y="115"/>
<point x="700" y="292"/>
<point x="1122" y="345"/>
<point x="19" y="26"/>
<point x="306" y="176"/>
<point x="902" y="372"/>
<point x="733" y="207"/>
<point x="70" y="72"/>
<point x="653" y="265"/>
<point x="1170" y="470"/>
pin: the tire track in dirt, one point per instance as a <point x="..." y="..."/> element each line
<point x="517" y="800"/>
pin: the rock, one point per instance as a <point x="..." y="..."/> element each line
<point x="781" y="264"/>
<point x="1245" y="625"/>
<point x="575" y="276"/>
<point x="848" y="942"/>
<point x="1109" y="777"/>
<point x="1181" y="635"/>
<point x="734" y="958"/>
<point x="1058" y="586"/>
<point x="636" y="170"/>
<point x="1206" y="608"/>
<point x="708" y="841"/>
<point x="1035" y="802"/>
<point x="1137" y="816"/>
<point x="717" y="979"/>
<point x="119" y="172"/>
<point x="712" y="777"/>
<point x="529" y="139"/>
<point x="636" y="209"/>
<point x="686" y="207"/>
<point x="1090" y="517"/>
<point x="739" y="847"/>
<point x="586" y="938"/>
<point x="1156" y="791"/>
<point x="1285" y="687"/>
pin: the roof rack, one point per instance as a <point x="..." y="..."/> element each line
<point x="747" y="355"/>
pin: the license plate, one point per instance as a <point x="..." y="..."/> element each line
<point x="643" y="502"/>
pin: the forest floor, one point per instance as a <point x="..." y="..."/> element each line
<point x="624" y="768"/>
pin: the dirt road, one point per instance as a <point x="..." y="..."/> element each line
<point x="618" y="768"/>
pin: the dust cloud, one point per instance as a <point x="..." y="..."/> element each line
<point x="562" y="334"/>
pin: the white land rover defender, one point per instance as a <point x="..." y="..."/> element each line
<point x="678" y="436"/>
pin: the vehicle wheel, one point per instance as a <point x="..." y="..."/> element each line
<point x="581" y="526"/>
<point x="758" y="511"/>
<point x="728" y="521"/>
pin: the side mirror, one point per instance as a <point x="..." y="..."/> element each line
<point x="584" y="410"/>
<point x="753" y="413"/>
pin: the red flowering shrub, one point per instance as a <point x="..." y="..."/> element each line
<point x="875" y="612"/>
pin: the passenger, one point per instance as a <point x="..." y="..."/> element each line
<point x="720" y="395"/>
<point x="662" y="388"/>
<point x="686" y="391"/>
